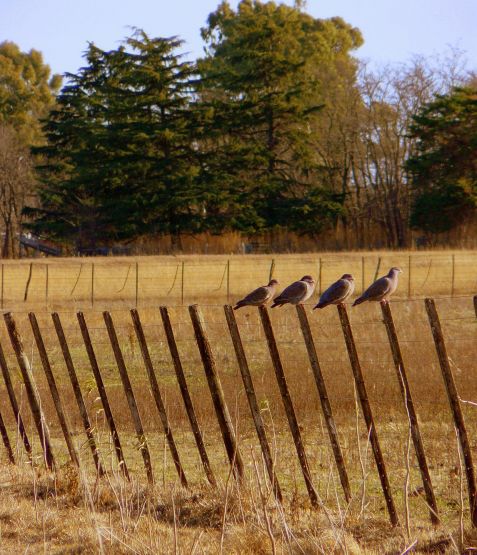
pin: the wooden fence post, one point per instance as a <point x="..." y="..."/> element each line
<point x="65" y="427"/>
<point x="157" y="395"/>
<point x="454" y="402"/>
<point x="6" y="441"/>
<point x="77" y="391"/>
<point x="128" y="390"/>
<point x="475" y="305"/>
<point x="31" y="390"/>
<point x="287" y="403"/>
<point x="102" y="393"/>
<point x="166" y="321"/>
<point x="367" y="413"/>
<point x="325" y="402"/>
<point x="13" y="402"/>
<point x="411" y="412"/>
<point x="272" y="270"/>
<point x="252" y="399"/>
<point x="215" y="387"/>
<point x="377" y="269"/>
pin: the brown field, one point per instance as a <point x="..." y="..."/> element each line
<point x="69" y="513"/>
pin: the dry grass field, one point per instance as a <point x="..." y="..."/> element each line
<point x="71" y="512"/>
<point x="106" y="282"/>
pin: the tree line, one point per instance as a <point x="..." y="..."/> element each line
<point x="276" y="126"/>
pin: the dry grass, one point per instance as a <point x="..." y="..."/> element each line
<point x="64" y="513"/>
<point x="73" y="283"/>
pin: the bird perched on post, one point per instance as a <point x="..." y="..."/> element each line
<point x="338" y="292"/>
<point x="260" y="296"/>
<point x="381" y="289"/>
<point x="296" y="293"/>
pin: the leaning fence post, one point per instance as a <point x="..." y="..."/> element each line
<point x="6" y="441"/>
<point x="157" y="395"/>
<point x="287" y="403"/>
<point x="77" y="391"/>
<point x="13" y="402"/>
<point x="215" y="387"/>
<point x="129" y="395"/>
<point x="325" y="402"/>
<point x="454" y="402"/>
<point x="31" y="390"/>
<point x="367" y="413"/>
<point x="102" y="393"/>
<point x="166" y="321"/>
<point x="252" y="399"/>
<point x="65" y="427"/>
<point x="411" y="411"/>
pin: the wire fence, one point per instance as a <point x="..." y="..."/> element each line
<point x="115" y="375"/>
<point x="120" y="282"/>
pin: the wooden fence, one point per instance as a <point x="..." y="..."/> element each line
<point x="223" y="415"/>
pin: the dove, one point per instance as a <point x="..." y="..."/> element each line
<point x="260" y="296"/>
<point x="381" y="289"/>
<point x="296" y="293"/>
<point x="338" y="292"/>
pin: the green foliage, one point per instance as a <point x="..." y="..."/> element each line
<point x="444" y="168"/>
<point x="262" y="82"/>
<point x="120" y="161"/>
<point x="27" y="92"/>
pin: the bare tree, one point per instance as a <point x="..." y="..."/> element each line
<point x="16" y="186"/>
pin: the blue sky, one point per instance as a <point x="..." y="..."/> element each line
<point x="394" y="30"/>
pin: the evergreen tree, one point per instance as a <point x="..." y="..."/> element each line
<point x="444" y="167"/>
<point x="120" y="156"/>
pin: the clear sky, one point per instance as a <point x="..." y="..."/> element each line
<point x="393" y="30"/>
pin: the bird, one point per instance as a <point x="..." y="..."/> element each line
<point x="381" y="289"/>
<point x="260" y="296"/>
<point x="338" y="292"/>
<point x="296" y="293"/>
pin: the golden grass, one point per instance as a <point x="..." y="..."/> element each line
<point x="73" y="283"/>
<point x="64" y="513"/>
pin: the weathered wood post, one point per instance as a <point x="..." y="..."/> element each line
<point x="367" y="413"/>
<point x="102" y="393"/>
<point x="411" y="411"/>
<point x="6" y="440"/>
<point x="166" y="321"/>
<point x="325" y="402"/>
<point x="252" y="399"/>
<point x="216" y="391"/>
<point x="288" y="404"/>
<point x="128" y="390"/>
<point x="13" y="402"/>
<point x="31" y="390"/>
<point x="454" y="402"/>
<point x="77" y="391"/>
<point x="156" y="393"/>
<point x="64" y="424"/>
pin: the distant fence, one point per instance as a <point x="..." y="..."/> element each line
<point x="218" y="398"/>
<point x="89" y="283"/>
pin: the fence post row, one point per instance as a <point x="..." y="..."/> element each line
<point x="454" y="402"/>
<point x="128" y="390"/>
<point x="157" y="395"/>
<point x="32" y="392"/>
<point x="166" y="321"/>
<point x="77" y="391"/>
<point x="64" y="424"/>
<point x="13" y="402"/>
<point x="325" y="402"/>
<point x="252" y="399"/>
<point x="102" y="393"/>
<point x="411" y="412"/>
<point x="216" y="391"/>
<point x="367" y="413"/>
<point x="287" y="403"/>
